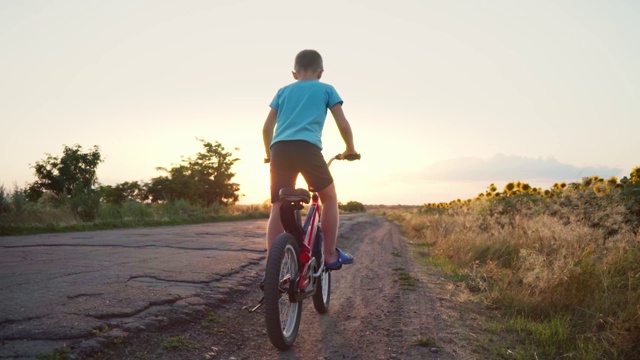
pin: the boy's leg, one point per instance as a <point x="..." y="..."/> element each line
<point x="329" y="222"/>
<point x="274" y="226"/>
<point x="281" y="175"/>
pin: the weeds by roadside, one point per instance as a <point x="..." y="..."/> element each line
<point x="59" y="354"/>
<point x="405" y="280"/>
<point x="563" y="267"/>
<point x="211" y="321"/>
<point x="177" y="343"/>
<point x="425" y="341"/>
<point x="50" y="214"/>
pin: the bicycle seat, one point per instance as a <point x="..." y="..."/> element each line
<point x="295" y="195"/>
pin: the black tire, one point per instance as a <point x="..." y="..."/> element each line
<point x="322" y="296"/>
<point x="282" y="317"/>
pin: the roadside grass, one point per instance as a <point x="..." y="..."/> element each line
<point x="405" y="280"/>
<point x="100" y="331"/>
<point x="444" y="264"/>
<point x="177" y="343"/>
<point x="212" y="321"/>
<point x="563" y="271"/>
<point x="48" y="215"/>
<point x="425" y="341"/>
<point x="545" y="339"/>
<point x="58" y="354"/>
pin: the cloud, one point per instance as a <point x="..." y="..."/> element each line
<point x="508" y="168"/>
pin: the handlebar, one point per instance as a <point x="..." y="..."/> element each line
<point x="350" y="157"/>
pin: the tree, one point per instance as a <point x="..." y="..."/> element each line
<point x="71" y="178"/>
<point x="123" y="192"/>
<point x="74" y="171"/>
<point x="205" y="179"/>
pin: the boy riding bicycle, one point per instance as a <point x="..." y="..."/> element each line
<point x="298" y="112"/>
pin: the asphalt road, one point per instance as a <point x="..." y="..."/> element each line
<point x="84" y="289"/>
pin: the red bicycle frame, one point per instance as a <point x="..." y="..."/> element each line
<point x="305" y="234"/>
<point x="310" y="230"/>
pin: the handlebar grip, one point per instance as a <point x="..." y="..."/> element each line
<point x="349" y="157"/>
<point x="352" y="157"/>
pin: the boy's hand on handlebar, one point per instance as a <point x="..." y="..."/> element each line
<point x="348" y="155"/>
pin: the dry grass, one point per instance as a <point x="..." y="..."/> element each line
<point x="565" y="265"/>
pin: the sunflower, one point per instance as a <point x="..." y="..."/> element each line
<point x="525" y="187"/>
<point x="601" y="189"/>
<point x="635" y="175"/>
<point x="509" y="187"/>
<point x="613" y="181"/>
<point x="493" y="188"/>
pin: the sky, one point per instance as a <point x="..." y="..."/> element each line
<point x="444" y="97"/>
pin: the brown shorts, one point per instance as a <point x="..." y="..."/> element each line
<point x="290" y="158"/>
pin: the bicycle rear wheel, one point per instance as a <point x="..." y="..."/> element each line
<point x="282" y="316"/>
<point x="323" y="293"/>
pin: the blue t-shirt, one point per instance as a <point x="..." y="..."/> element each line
<point x="302" y="110"/>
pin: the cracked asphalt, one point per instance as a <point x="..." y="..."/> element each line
<point x="84" y="289"/>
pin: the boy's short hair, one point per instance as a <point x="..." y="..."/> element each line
<point x="308" y="60"/>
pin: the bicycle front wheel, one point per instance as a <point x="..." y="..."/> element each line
<point x="282" y="316"/>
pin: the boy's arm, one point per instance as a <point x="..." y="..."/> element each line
<point x="344" y="127"/>
<point x="267" y="130"/>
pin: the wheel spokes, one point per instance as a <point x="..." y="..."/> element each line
<point x="283" y="287"/>
<point x="288" y="310"/>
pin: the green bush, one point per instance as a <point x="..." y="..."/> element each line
<point x="352" y="206"/>
<point x="5" y="199"/>
<point x="84" y="203"/>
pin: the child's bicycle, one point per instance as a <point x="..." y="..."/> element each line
<point x="295" y="267"/>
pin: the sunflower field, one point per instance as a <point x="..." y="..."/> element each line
<point x="565" y="260"/>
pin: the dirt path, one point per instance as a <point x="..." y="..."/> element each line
<point x="385" y="306"/>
